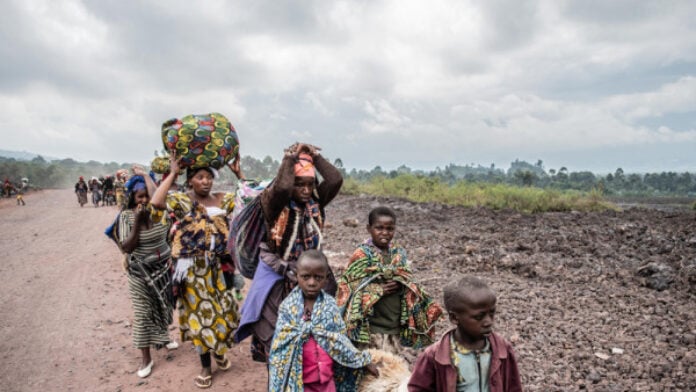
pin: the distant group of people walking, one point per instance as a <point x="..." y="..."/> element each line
<point x="18" y="189"/>
<point x="311" y="328"/>
<point x="108" y="191"/>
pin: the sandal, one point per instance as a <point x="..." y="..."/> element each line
<point x="203" y="382"/>
<point x="223" y="363"/>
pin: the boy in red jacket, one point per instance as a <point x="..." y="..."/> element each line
<point x="469" y="357"/>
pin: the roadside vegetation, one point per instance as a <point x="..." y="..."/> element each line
<point x="523" y="186"/>
<point x="470" y="194"/>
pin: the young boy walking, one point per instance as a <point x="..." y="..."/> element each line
<point x="469" y="357"/>
<point x="381" y="304"/>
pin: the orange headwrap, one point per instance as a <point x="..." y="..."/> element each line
<point x="304" y="166"/>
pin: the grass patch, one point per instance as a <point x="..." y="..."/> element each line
<point x="468" y="194"/>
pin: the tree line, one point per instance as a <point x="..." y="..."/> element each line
<point x="525" y="174"/>
<point x="65" y="172"/>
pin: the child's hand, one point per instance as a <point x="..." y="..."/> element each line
<point x="390" y="287"/>
<point x="372" y="369"/>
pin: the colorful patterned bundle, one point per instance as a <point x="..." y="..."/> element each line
<point x="206" y="140"/>
<point x="160" y="165"/>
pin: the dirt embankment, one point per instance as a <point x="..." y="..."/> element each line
<point x="570" y="297"/>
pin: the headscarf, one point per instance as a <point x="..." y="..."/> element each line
<point x="304" y="166"/>
<point x="136" y="183"/>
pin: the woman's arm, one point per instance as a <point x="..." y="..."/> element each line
<point x="159" y="198"/>
<point x="151" y="186"/>
<point x="236" y="167"/>
<point x="333" y="180"/>
<point x="277" y="196"/>
<point x="131" y="241"/>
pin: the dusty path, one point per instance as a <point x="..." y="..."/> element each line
<point x="65" y="311"/>
<point x="567" y="287"/>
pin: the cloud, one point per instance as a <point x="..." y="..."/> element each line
<point x="373" y="82"/>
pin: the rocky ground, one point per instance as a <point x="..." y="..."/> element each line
<point x="595" y="301"/>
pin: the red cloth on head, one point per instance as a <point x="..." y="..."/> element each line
<point x="304" y="166"/>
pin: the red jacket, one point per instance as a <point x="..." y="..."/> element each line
<point x="434" y="371"/>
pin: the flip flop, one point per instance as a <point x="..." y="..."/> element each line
<point x="203" y="382"/>
<point x="224" y="363"/>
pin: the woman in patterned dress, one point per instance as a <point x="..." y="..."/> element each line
<point x="148" y="260"/>
<point x="208" y="314"/>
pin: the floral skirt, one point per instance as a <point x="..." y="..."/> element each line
<point x="208" y="314"/>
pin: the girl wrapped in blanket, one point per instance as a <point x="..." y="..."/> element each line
<point x="382" y="306"/>
<point x="310" y="350"/>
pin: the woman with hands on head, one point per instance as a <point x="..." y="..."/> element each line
<point x="207" y="311"/>
<point x="293" y="210"/>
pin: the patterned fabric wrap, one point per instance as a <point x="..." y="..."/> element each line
<point x="208" y="314"/>
<point x="247" y="191"/>
<point x="149" y="280"/>
<point x="201" y="140"/>
<point x="247" y="226"/>
<point x="160" y="165"/>
<point x="247" y="230"/>
<point x="197" y="230"/>
<point x="328" y="329"/>
<point x="155" y="274"/>
<point x="359" y="289"/>
<point x="297" y="229"/>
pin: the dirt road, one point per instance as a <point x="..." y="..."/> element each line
<point x="570" y="300"/>
<point x="66" y="314"/>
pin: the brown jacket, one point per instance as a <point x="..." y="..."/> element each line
<point x="278" y="195"/>
<point x="434" y="371"/>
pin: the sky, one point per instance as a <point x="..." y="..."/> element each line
<point x="588" y="84"/>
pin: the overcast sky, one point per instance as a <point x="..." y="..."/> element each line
<point x="583" y="84"/>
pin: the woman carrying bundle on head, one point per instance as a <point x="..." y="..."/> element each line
<point x="207" y="311"/>
<point x="293" y="211"/>
<point x="142" y="236"/>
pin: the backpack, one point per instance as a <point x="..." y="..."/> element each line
<point x="247" y="230"/>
